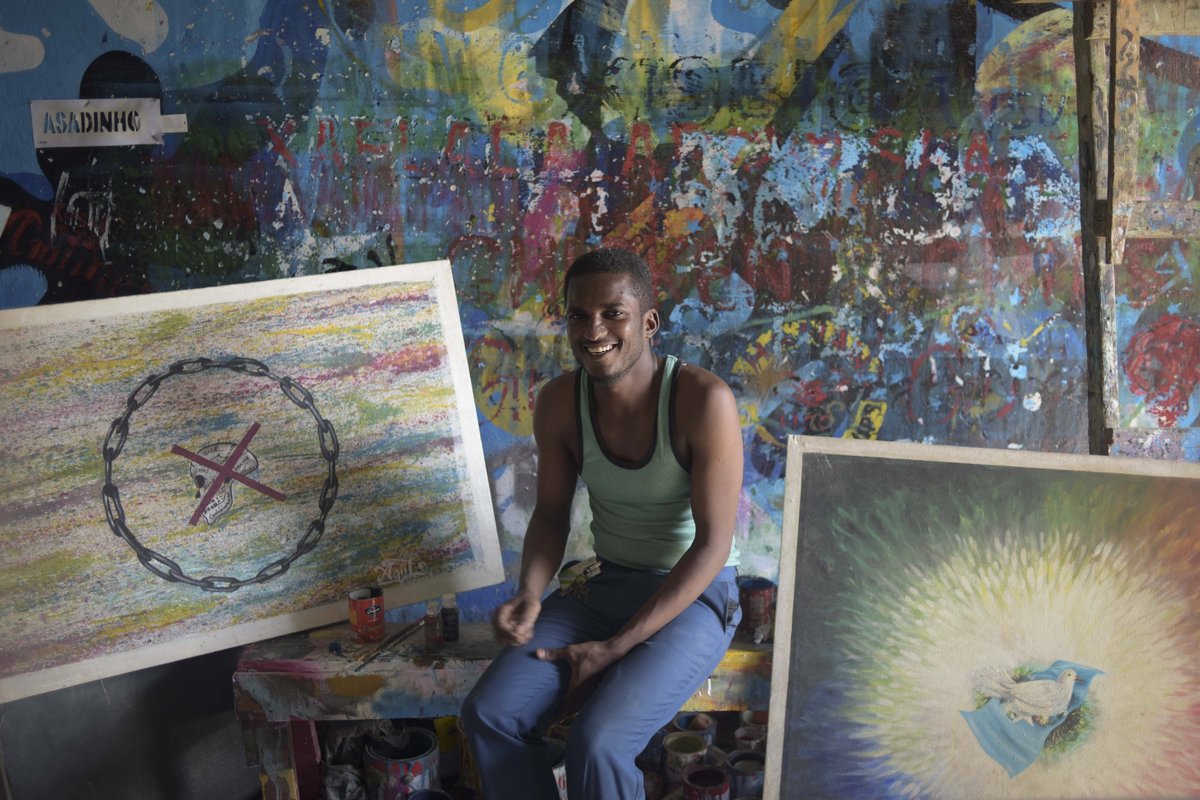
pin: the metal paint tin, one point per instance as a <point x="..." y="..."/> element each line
<point x="698" y="723"/>
<point x="397" y="766"/>
<point x="705" y="782"/>
<point x="366" y="614"/>
<point x="556" y="754"/>
<point x="758" y="603"/>
<point x="746" y="773"/>
<point x="680" y="750"/>
<point x="750" y="737"/>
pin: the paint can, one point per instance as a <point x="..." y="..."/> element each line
<point x="698" y="723"/>
<point x="746" y="773"/>
<point x="750" y="737"/>
<point x="752" y="717"/>
<point x="366" y="615"/>
<point x="653" y="783"/>
<point x="449" y="747"/>
<point x="681" y="749"/>
<point x="397" y="766"/>
<point x="556" y="754"/>
<point x="651" y="757"/>
<point x="705" y="782"/>
<point x="757" y="597"/>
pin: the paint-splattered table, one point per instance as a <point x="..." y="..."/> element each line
<point x="283" y="686"/>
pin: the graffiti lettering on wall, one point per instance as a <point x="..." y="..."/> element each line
<point x="863" y="214"/>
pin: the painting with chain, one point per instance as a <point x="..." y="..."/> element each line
<point x="200" y="469"/>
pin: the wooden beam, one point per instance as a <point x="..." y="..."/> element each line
<point x="1091" y="73"/>
<point x="1125" y="44"/>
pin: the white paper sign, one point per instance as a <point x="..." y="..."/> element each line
<point x="97" y="123"/>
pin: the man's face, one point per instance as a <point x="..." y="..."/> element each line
<point x="607" y="328"/>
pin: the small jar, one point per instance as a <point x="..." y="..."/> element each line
<point x="433" y="624"/>
<point x="449" y="618"/>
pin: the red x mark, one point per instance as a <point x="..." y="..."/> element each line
<point x="225" y="472"/>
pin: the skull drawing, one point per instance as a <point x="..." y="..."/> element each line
<point x="221" y="502"/>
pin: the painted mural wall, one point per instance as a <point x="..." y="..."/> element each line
<point x="863" y="214"/>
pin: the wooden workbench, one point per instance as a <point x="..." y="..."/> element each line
<point x="283" y="686"/>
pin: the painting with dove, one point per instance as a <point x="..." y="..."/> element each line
<point x="961" y="622"/>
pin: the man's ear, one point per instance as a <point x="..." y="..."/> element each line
<point x="651" y="323"/>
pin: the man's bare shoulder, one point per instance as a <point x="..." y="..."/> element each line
<point x="703" y="396"/>
<point x="698" y="381"/>
<point x="557" y="389"/>
<point x="554" y="409"/>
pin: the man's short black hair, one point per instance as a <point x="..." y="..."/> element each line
<point x="615" y="261"/>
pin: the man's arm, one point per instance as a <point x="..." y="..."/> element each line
<point x="550" y="524"/>
<point x="709" y="420"/>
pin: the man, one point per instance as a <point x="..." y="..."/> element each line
<point x="659" y="446"/>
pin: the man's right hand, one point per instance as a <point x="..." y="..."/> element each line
<point x="514" y="619"/>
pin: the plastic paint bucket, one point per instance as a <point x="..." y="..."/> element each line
<point x="366" y="614"/>
<point x="397" y="766"/>
<point x="746" y="773"/>
<point x="556" y="754"/>
<point x="680" y="750"/>
<point x="705" y="782"/>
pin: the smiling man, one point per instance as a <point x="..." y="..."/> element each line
<point x="631" y="636"/>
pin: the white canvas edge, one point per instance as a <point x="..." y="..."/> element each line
<point x="799" y="446"/>
<point x="488" y="537"/>
<point x="781" y="648"/>
<point x="490" y="571"/>
<point x="985" y="456"/>
<point x="215" y="295"/>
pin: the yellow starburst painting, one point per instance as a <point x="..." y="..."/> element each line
<point x="986" y="623"/>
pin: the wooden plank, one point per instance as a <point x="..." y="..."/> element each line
<point x="1164" y="219"/>
<point x="1170" y="17"/>
<point x="1108" y="338"/>
<point x="1098" y="41"/>
<point x="1161" y="17"/>
<point x="1125" y="42"/>
<point x="321" y="675"/>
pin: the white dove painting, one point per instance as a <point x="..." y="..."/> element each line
<point x="1038" y="701"/>
<point x="1021" y="711"/>
<point x="968" y="623"/>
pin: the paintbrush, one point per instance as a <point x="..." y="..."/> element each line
<point x="399" y="636"/>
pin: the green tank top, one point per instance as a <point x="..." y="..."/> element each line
<point x="641" y="512"/>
